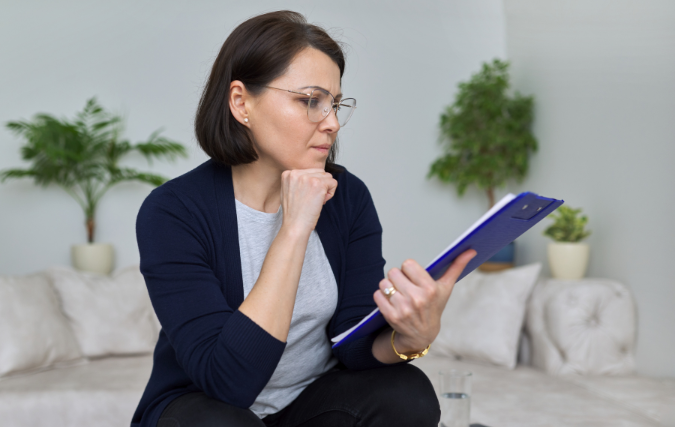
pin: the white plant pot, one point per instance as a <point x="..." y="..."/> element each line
<point x="568" y="261"/>
<point x="93" y="257"/>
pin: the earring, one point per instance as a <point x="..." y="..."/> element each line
<point x="246" y="119"/>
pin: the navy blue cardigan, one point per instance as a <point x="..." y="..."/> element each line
<point x="189" y="247"/>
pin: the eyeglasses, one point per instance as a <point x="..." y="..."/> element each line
<point x="320" y="102"/>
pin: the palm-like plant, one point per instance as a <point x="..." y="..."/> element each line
<point x="81" y="156"/>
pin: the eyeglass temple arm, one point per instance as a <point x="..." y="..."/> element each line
<point x="309" y="94"/>
<point x="288" y="90"/>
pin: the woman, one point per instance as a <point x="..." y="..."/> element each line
<point x="255" y="258"/>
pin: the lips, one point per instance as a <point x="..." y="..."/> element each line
<point x="323" y="147"/>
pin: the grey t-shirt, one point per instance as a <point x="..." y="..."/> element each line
<point x="308" y="351"/>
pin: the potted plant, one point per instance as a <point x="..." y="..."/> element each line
<point x="568" y="256"/>
<point x="81" y="156"/>
<point x="486" y="138"/>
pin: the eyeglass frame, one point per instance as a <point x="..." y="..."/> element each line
<point x="333" y="104"/>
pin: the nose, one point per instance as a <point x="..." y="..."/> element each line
<point x="330" y="122"/>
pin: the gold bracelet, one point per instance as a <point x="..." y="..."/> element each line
<point x="412" y="356"/>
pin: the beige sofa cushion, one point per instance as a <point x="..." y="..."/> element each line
<point x="34" y="334"/>
<point x="582" y="327"/>
<point x="110" y="315"/>
<point x="484" y="316"/>
<point x="101" y="393"/>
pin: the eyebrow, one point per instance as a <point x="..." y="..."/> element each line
<point x="338" y="96"/>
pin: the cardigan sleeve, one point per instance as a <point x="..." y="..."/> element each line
<point x="363" y="272"/>
<point x="222" y="351"/>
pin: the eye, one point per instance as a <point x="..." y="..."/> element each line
<point x="312" y="101"/>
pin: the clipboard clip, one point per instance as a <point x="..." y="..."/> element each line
<point x="530" y="207"/>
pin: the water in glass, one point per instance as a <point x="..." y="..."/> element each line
<point x="455" y="409"/>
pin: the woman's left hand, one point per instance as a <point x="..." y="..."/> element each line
<point x="415" y="309"/>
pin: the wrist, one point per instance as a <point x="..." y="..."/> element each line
<point x="294" y="233"/>
<point x="408" y="345"/>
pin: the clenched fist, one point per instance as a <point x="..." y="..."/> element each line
<point x="303" y="194"/>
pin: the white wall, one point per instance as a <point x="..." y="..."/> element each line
<point x="603" y="73"/>
<point x="149" y="59"/>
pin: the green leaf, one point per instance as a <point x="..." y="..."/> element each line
<point x="568" y="226"/>
<point x="81" y="155"/>
<point x="132" y="175"/>
<point x="485" y="133"/>
<point x="15" y="173"/>
<point x="158" y="147"/>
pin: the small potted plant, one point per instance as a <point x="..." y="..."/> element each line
<point x="81" y="156"/>
<point x="568" y="256"/>
<point x="487" y="140"/>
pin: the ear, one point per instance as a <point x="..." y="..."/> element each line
<point x="238" y="100"/>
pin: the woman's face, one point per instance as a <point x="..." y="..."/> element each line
<point x="284" y="136"/>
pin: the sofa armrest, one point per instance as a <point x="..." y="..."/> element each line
<point x="582" y="327"/>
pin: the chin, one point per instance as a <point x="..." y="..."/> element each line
<point x="304" y="165"/>
<point x="310" y="164"/>
<point x="317" y="165"/>
<point x="306" y="160"/>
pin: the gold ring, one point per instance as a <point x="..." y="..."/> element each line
<point x="389" y="291"/>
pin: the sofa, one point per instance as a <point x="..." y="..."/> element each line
<point x="75" y="350"/>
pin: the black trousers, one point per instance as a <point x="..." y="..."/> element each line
<point x="399" y="395"/>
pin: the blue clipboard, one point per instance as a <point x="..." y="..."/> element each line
<point x="505" y="222"/>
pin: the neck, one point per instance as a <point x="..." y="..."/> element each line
<point x="258" y="186"/>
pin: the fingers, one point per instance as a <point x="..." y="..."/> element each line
<point x="415" y="283"/>
<point x="393" y="315"/>
<point x="384" y="284"/>
<point x="401" y="282"/>
<point x="455" y="270"/>
<point x="316" y="181"/>
<point x="408" y="297"/>
<point x="416" y="306"/>
<point x="399" y="296"/>
<point x="417" y="274"/>
<point x="305" y="173"/>
<point x="303" y="193"/>
<point x="332" y="186"/>
<point x="387" y="310"/>
<point x="399" y="309"/>
<point x="311" y="176"/>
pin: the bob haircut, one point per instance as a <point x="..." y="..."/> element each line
<point x="258" y="51"/>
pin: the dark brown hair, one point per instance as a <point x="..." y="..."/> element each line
<point x="258" y="51"/>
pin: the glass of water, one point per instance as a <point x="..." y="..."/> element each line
<point x="455" y="398"/>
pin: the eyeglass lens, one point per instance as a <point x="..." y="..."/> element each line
<point x="320" y="103"/>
